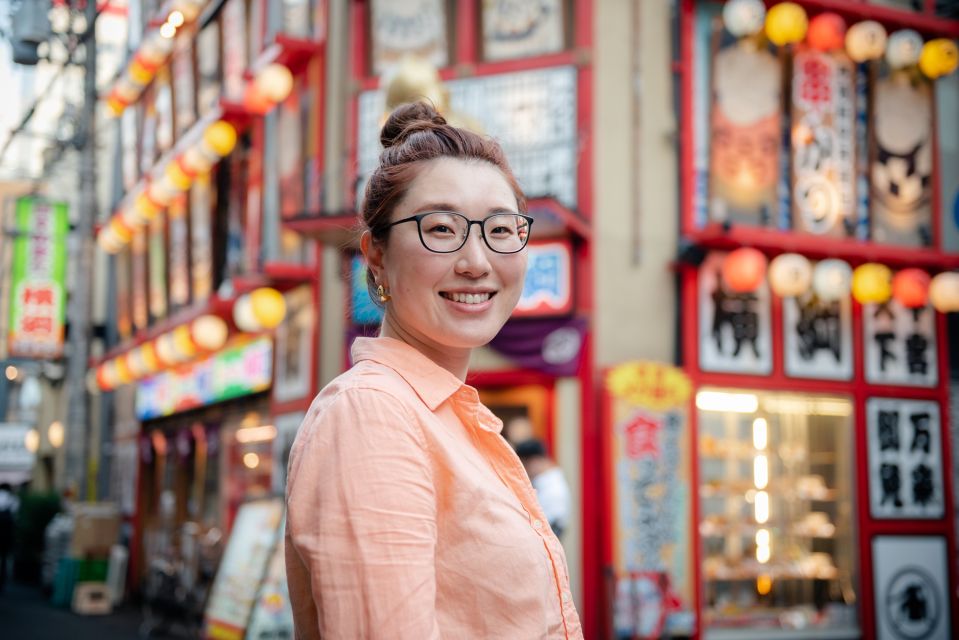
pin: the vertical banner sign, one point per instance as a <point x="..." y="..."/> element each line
<point x="548" y="288"/>
<point x="911" y="587"/>
<point x="900" y="344"/>
<point x="37" y="279"/>
<point x="823" y="143"/>
<point x="735" y="333"/>
<point x="817" y="337"/>
<point x="901" y="171"/>
<point x="649" y="453"/>
<point x="905" y="458"/>
<point x="745" y="142"/>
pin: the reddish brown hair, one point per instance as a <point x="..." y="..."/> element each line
<point x="414" y="134"/>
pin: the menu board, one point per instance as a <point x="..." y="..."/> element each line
<point x="252" y="545"/>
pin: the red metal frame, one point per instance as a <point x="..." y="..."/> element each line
<point x="771" y="241"/>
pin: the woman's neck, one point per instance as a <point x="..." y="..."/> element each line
<point x="456" y="361"/>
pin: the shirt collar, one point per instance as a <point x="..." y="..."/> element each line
<point x="431" y="382"/>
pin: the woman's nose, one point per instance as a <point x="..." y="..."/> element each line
<point x="473" y="258"/>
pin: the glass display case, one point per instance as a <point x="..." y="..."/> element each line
<point x="777" y="520"/>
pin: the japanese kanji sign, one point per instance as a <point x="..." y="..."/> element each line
<point x="37" y="282"/>
<point x="900" y="344"/>
<point x="817" y="337"/>
<point x="905" y="458"/>
<point x="548" y="289"/>
<point x="911" y="587"/>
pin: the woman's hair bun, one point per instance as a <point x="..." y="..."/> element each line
<point x="406" y="120"/>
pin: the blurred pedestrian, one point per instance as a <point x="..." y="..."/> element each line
<point x="9" y="504"/>
<point x="549" y="482"/>
<point x="408" y="515"/>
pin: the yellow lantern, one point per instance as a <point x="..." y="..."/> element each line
<point x="120" y="229"/>
<point x="243" y="316"/>
<point x="944" y="292"/>
<point x="786" y="23"/>
<point x="125" y="91"/>
<point x="220" y="137"/>
<point x="146" y="207"/>
<point x="790" y="275"/>
<point x="149" y="356"/>
<point x="139" y="73"/>
<point x="269" y="307"/>
<point x="123" y="373"/>
<point x="177" y="177"/>
<point x="135" y="363"/>
<point x="116" y="105"/>
<point x="161" y="192"/>
<point x="274" y="82"/>
<point x="939" y="58"/>
<point x="183" y="342"/>
<point x="830" y="279"/>
<point x="866" y="40"/>
<point x="872" y="283"/>
<point x="209" y="332"/>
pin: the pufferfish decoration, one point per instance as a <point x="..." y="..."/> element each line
<point x="939" y="58"/>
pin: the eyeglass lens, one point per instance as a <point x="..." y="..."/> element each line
<point x="447" y="231"/>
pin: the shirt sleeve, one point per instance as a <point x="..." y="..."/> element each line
<point x="362" y="523"/>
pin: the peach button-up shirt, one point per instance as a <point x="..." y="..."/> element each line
<point x="409" y="516"/>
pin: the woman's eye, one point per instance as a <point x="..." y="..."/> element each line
<point x="440" y="229"/>
<point x="502" y="231"/>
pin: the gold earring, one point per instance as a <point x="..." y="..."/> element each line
<point x="383" y="293"/>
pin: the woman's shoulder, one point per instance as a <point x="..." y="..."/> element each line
<point x="368" y="379"/>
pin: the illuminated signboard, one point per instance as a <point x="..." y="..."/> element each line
<point x="548" y="290"/>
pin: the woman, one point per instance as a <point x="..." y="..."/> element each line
<point x="409" y="516"/>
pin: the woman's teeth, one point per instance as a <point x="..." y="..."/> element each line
<point x="468" y="298"/>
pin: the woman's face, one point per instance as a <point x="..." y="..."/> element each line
<point x="445" y="302"/>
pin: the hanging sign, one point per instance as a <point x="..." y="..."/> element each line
<point x="37" y="279"/>
<point x="240" y="369"/>
<point x="905" y="458"/>
<point x="548" y="289"/>
<point x="900" y="344"/>
<point x="649" y="448"/>
<point x="817" y="337"/>
<point x="823" y="142"/>
<point x="734" y="328"/>
<point x="15" y="459"/>
<point x="911" y="587"/>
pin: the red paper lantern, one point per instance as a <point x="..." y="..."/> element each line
<point x="744" y="269"/>
<point x="910" y="288"/>
<point x="827" y="32"/>
<point x="255" y="102"/>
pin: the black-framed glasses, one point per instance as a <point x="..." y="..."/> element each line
<point x="447" y="231"/>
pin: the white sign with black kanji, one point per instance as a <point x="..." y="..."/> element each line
<point x="900" y="344"/>
<point x="905" y="459"/>
<point x="817" y="337"/>
<point x="911" y="587"/>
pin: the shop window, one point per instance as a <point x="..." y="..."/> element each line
<point x="777" y="524"/>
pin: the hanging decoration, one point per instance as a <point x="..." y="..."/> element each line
<point x="831" y="279"/>
<point x="938" y="58"/>
<point x="743" y="270"/>
<point x="910" y="288"/>
<point x="944" y="292"/>
<point x="872" y="283"/>
<point x="786" y="23"/>
<point x="744" y="17"/>
<point x="903" y="48"/>
<point x="261" y="309"/>
<point x="790" y="275"/>
<point x="866" y="41"/>
<point x="827" y="32"/>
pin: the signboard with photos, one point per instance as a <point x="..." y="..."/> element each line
<point x="735" y="332"/>
<point x="900" y="344"/>
<point x="905" y="458"/>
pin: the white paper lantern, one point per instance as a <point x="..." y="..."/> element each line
<point x="944" y="292"/>
<point x="744" y="17"/>
<point x="209" y="332"/>
<point x="903" y="48"/>
<point x="831" y="279"/>
<point x="166" y="349"/>
<point x="243" y="315"/>
<point x="789" y="275"/>
<point x="866" y="41"/>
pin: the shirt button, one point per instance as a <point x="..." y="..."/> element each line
<point x="537" y="524"/>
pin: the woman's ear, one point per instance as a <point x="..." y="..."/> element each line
<point x="373" y="253"/>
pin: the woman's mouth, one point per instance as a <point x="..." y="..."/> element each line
<point x="467" y="298"/>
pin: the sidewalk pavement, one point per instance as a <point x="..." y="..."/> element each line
<point x="25" y="614"/>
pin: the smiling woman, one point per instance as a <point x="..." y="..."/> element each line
<point x="409" y="515"/>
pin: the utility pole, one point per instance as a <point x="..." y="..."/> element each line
<point x="78" y="311"/>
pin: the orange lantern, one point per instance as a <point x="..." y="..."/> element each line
<point x="744" y="269"/>
<point x="910" y="288"/>
<point x="827" y="32"/>
<point x="255" y="101"/>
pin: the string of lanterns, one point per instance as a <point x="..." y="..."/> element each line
<point x="791" y="274"/>
<point x="262" y="309"/>
<point x="786" y="24"/>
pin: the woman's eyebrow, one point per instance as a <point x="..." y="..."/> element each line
<point x="435" y="206"/>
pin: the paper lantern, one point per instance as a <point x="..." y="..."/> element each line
<point x="209" y="332"/>
<point x="744" y="17"/>
<point x="910" y="288"/>
<point x="139" y="73"/>
<point x="220" y="137"/>
<point x="195" y="161"/>
<point x="126" y="91"/>
<point x="135" y="363"/>
<point x="866" y="40"/>
<point x="786" y="23"/>
<point x="790" y="275"/>
<point x="55" y="434"/>
<point x="243" y="315"/>
<point x="106" y="376"/>
<point x="121" y="229"/>
<point x="831" y="279"/>
<point x="132" y="216"/>
<point x="161" y="193"/>
<point x="123" y="373"/>
<point x="108" y="242"/>
<point x="743" y="270"/>
<point x="150" y="359"/>
<point x="183" y="342"/>
<point x="903" y="48"/>
<point x="115" y="105"/>
<point x="944" y="292"/>
<point x="269" y="307"/>
<point x="827" y="32"/>
<point x="31" y="442"/>
<point x="872" y="283"/>
<point x="147" y="208"/>
<point x="166" y="350"/>
<point x="177" y="177"/>
<point x="274" y="82"/>
<point x="256" y="102"/>
<point x="938" y="58"/>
